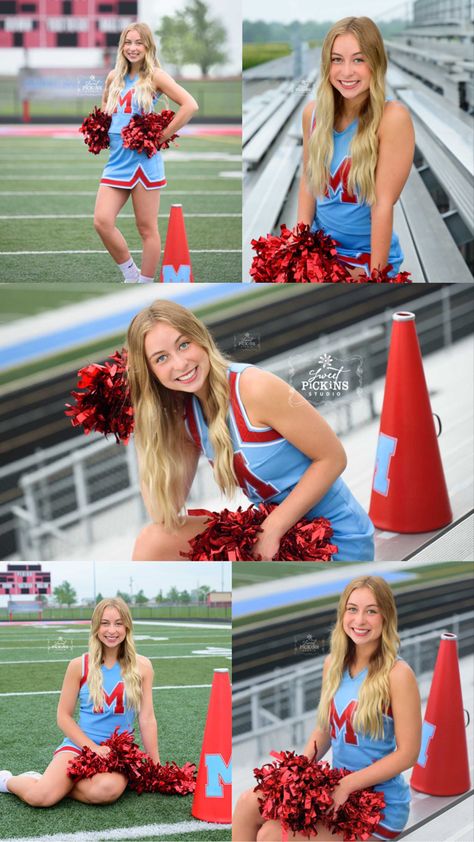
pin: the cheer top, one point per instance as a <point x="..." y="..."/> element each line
<point x="355" y="750"/>
<point x="267" y="467"/>
<point x="128" y="167"/>
<point x="98" y="725"/>
<point x="127" y="106"/>
<point x="343" y="216"/>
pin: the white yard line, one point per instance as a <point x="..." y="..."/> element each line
<point x="94" y="192"/>
<point x="155" y="831"/>
<point x="132" y="251"/>
<point x="121" y="216"/>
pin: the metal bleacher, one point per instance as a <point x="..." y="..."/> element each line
<point x="435" y="214"/>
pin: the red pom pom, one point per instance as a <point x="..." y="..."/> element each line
<point x="95" y="129"/>
<point x="380" y="276"/>
<point x="298" y="793"/>
<point x="144" y="131"/>
<point x="297" y="256"/>
<point x="302" y="257"/>
<point x="230" y="536"/>
<point x="105" y="405"/>
<point x="295" y="791"/>
<point x="143" y="774"/>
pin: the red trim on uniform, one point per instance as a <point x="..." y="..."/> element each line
<point x="244" y="432"/>
<point x="193" y="427"/>
<point x="138" y="175"/>
<point x="386" y="833"/>
<point x="85" y="670"/>
<point x="68" y="748"/>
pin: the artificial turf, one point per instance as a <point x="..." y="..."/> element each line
<point x="30" y="733"/>
<point x="48" y="189"/>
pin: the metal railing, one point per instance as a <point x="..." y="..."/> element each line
<point x="76" y="484"/>
<point x="288" y="698"/>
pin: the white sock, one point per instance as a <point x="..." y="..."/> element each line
<point x="4" y="777"/>
<point x="129" y="270"/>
<point x="144" y="279"/>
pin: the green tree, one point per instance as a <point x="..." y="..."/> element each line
<point x="174" y="38"/>
<point x="140" y="598"/>
<point x="185" y="597"/>
<point x="203" y="591"/>
<point x="98" y="598"/>
<point x="192" y="36"/>
<point x="65" y="594"/>
<point x="159" y="597"/>
<point x="125" y="596"/>
<point x="172" y="595"/>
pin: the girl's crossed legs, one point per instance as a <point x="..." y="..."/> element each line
<point x="155" y="543"/>
<point x="54" y="785"/>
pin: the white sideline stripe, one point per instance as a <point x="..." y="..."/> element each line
<point x="150" y="657"/>
<point x="132" y="251"/>
<point x="151" y="830"/>
<point x="94" y="192"/>
<point x="121" y="216"/>
<point x="57" y="692"/>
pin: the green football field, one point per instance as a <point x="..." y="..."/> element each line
<point x="48" y="194"/>
<point x="33" y="660"/>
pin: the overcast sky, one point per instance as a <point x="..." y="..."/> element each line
<point x="282" y="10"/>
<point x="151" y="577"/>
<point x="228" y="12"/>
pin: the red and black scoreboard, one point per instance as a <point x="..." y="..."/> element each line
<point x="64" y="23"/>
<point x="24" y="579"/>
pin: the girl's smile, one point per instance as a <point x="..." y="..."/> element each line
<point x="112" y="630"/>
<point x="176" y="360"/>
<point x="133" y="48"/>
<point x="350" y="73"/>
<point x="363" y="621"/>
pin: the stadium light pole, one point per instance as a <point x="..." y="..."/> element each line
<point x="94" y="589"/>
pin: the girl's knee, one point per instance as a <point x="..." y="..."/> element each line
<point x="102" y="224"/>
<point x="247" y="804"/>
<point x="37" y="797"/>
<point x="107" y="788"/>
<point x="269" y="832"/>
<point x="147" y="231"/>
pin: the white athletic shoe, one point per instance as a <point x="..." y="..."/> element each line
<point x="5" y="774"/>
<point x="133" y="280"/>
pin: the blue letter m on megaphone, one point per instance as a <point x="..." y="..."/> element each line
<point x="171" y="276"/>
<point x="218" y="773"/>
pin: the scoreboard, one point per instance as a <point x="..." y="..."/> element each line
<point x="64" y="23"/>
<point x="25" y="579"/>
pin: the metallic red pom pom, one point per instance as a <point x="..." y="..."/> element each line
<point x="230" y="536"/>
<point x="142" y="773"/>
<point x="144" y="131"/>
<point x="304" y="257"/>
<point x="297" y="792"/>
<point x="95" y="129"/>
<point x="104" y="406"/>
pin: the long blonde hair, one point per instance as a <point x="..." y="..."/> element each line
<point x="144" y="87"/>
<point x="374" y="695"/>
<point x="127" y="656"/>
<point x="329" y="102"/>
<point x="160" y="433"/>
